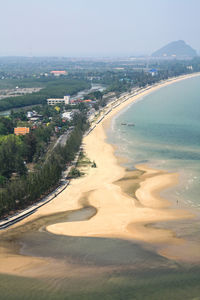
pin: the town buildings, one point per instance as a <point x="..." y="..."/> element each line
<point x="55" y="101"/>
<point x="58" y="73"/>
<point x="21" y="130"/>
<point x="68" y="115"/>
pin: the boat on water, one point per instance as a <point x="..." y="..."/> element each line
<point x="128" y="124"/>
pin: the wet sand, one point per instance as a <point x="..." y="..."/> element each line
<point x="115" y="209"/>
<point x="119" y="215"/>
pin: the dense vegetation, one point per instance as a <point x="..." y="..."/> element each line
<point x="119" y="76"/>
<point x="123" y="80"/>
<point x="28" y="187"/>
<point x="20" y="184"/>
<point x="54" y="87"/>
<point x="17" y="151"/>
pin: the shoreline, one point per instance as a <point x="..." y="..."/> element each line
<point x="113" y="108"/>
<point x="114" y="217"/>
<point x="117" y="214"/>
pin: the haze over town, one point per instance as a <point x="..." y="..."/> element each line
<point x="96" y="28"/>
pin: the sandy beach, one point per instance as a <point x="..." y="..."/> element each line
<point x="116" y="210"/>
<point x="119" y="215"/>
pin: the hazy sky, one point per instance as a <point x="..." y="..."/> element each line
<point x="96" y="27"/>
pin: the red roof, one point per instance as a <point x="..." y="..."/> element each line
<point x="58" y="72"/>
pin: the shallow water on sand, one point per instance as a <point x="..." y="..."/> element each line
<point x="95" y="268"/>
<point x="166" y="135"/>
<point x="99" y="268"/>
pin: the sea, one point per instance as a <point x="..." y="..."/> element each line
<point x="165" y="135"/>
<point x="162" y="130"/>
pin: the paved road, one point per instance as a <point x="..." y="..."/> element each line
<point x="63" y="138"/>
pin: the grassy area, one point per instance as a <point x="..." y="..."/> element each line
<point x="83" y="160"/>
<point x="22" y="83"/>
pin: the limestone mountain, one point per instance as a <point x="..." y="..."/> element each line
<point x="175" y="49"/>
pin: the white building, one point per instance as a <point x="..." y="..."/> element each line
<point x="55" y="101"/>
<point x="29" y="114"/>
<point x="68" y="115"/>
<point x="190" y="68"/>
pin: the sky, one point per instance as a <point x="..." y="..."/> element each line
<point x="96" y="27"/>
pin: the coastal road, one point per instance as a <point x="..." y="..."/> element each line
<point x="63" y="138"/>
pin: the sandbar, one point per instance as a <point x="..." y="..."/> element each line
<point x="118" y="214"/>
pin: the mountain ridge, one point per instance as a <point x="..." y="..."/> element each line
<point x="175" y="49"/>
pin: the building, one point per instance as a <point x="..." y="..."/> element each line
<point x="153" y="72"/>
<point x="33" y="116"/>
<point x="68" y="115"/>
<point x="55" y="101"/>
<point x="75" y="101"/>
<point x="21" y="130"/>
<point x="87" y="101"/>
<point x="29" y="114"/>
<point x="190" y="68"/>
<point x="58" y="73"/>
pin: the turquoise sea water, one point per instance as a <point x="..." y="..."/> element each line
<point x="166" y="135"/>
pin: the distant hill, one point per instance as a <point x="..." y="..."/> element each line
<point x="175" y="49"/>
